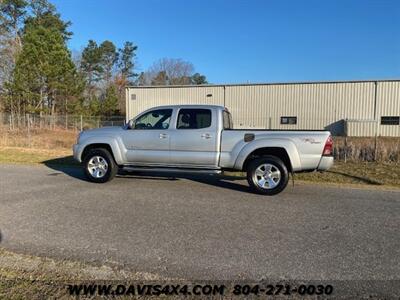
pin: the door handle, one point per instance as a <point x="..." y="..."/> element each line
<point x="206" y="136"/>
<point x="163" y="135"/>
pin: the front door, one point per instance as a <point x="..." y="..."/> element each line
<point x="148" y="141"/>
<point x="194" y="141"/>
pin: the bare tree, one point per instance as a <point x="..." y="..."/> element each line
<point x="12" y="16"/>
<point x="7" y="60"/>
<point x="171" y="71"/>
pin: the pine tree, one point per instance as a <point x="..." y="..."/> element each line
<point x="198" y="79"/>
<point x="109" y="106"/>
<point x="126" y="62"/>
<point x="94" y="106"/>
<point x="49" y="19"/>
<point x="44" y="74"/>
<point x="109" y="57"/>
<point x="126" y="74"/>
<point x="91" y="66"/>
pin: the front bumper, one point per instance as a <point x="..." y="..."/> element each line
<point x="325" y="163"/>
<point x="77" y="150"/>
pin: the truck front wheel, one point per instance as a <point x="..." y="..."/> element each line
<point x="267" y="175"/>
<point x="99" y="165"/>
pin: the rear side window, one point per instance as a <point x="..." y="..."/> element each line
<point x="194" y="118"/>
<point x="227" y="120"/>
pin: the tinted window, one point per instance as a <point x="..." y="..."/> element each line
<point x="227" y="120"/>
<point x="289" y="120"/>
<point x="194" y="119"/>
<point x="155" y="119"/>
<point x="390" y="120"/>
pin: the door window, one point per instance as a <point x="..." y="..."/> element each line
<point x="155" y="119"/>
<point x="194" y="118"/>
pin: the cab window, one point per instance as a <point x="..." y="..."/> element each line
<point x="194" y="118"/>
<point x="227" y="120"/>
<point x="155" y="119"/>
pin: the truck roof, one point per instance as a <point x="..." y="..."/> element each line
<point x="190" y="106"/>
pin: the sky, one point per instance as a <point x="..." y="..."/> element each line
<point x="240" y="41"/>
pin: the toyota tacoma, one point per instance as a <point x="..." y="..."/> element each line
<point x="201" y="138"/>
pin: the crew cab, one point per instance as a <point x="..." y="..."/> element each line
<point x="201" y="138"/>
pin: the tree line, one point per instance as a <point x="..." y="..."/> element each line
<point x="39" y="74"/>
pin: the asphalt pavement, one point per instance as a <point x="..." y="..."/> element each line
<point x="201" y="227"/>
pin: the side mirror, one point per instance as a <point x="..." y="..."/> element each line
<point x="131" y="124"/>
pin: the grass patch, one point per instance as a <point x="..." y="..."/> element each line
<point x="36" y="156"/>
<point x="359" y="173"/>
<point x="30" y="277"/>
<point x="38" y="138"/>
<point x="367" y="173"/>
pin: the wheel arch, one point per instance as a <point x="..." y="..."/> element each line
<point x="106" y="146"/>
<point x="281" y="148"/>
<point x="278" y="152"/>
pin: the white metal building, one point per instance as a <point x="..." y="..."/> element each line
<point x="355" y="108"/>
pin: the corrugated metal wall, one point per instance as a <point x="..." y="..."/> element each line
<point x="388" y="104"/>
<point x="361" y="128"/>
<point x="140" y="99"/>
<point x="316" y="105"/>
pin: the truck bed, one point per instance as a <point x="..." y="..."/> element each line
<point x="304" y="147"/>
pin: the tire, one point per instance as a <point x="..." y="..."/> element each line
<point x="101" y="160"/>
<point x="275" y="170"/>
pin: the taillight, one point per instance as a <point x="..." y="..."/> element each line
<point x="328" y="149"/>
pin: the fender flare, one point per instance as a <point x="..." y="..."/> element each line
<point x="112" y="142"/>
<point x="286" y="144"/>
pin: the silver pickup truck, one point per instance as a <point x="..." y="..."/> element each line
<point x="201" y="138"/>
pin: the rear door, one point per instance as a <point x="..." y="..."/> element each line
<point x="194" y="141"/>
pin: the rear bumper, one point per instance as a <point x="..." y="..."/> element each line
<point x="325" y="163"/>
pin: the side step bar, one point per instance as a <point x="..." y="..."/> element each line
<point x="172" y="170"/>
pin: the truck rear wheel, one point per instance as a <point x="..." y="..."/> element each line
<point x="99" y="165"/>
<point x="267" y="175"/>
